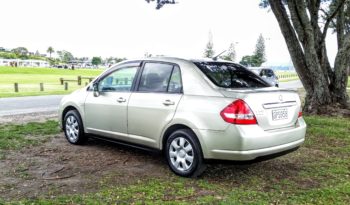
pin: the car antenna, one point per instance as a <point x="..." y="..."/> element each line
<point x="215" y="58"/>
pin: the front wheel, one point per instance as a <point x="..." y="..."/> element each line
<point x="184" y="154"/>
<point x="73" y="127"/>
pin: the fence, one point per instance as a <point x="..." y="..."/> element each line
<point x="78" y="80"/>
<point x="43" y="88"/>
<point x="287" y="75"/>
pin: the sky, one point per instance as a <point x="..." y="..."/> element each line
<point x="130" y="28"/>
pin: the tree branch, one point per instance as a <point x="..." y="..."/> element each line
<point x="340" y="27"/>
<point x="330" y="18"/>
<point x="297" y="22"/>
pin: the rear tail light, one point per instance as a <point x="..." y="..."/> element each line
<point x="238" y="112"/>
<point x="300" y="114"/>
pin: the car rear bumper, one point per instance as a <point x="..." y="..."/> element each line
<point x="248" y="142"/>
<point x="253" y="154"/>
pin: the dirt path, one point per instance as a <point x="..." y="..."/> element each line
<point x="31" y="117"/>
<point x="57" y="167"/>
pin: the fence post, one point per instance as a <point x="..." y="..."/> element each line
<point x="41" y="86"/>
<point x="79" y="80"/>
<point x="16" y="87"/>
<point x="65" y="86"/>
<point x="61" y="80"/>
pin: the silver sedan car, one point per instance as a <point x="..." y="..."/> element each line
<point x="191" y="110"/>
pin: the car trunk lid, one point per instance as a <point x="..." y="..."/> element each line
<point x="273" y="108"/>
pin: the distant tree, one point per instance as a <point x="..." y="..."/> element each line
<point x="50" y="50"/>
<point x="8" y="55"/>
<point x="209" y="49"/>
<point x="117" y="60"/>
<point x="258" y="57"/>
<point x="230" y="54"/>
<point x="250" y="61"/>
<point x="96" y="61"/>
<point x="37" y="53"/>
<point x="65" y="56"/>
<point x="259" y="52"/>
<point x="20" y="51"/>
<point x="109" y="60"/>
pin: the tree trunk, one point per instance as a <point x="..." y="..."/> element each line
<point x="306" y="44"/>
<point x="341" y="65"/>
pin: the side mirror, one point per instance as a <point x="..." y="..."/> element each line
<point x="95" y="90"/>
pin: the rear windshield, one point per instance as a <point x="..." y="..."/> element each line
<point x="229" y="75"/>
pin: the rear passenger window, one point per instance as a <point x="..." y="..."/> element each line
<point x="155" y="77"/>
<point x="160" y="77"/>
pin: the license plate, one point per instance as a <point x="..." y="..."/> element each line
<point x="280" y="114"/>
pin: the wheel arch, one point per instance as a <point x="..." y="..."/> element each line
<point x="172" y="128"/>
<point x="67" y="109"/>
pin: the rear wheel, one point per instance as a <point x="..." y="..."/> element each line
<point x="183" y="154"/>
<point x="73" y="128"/>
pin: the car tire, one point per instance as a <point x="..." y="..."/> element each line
<point x="277" y="85"/>
<point x="184" y="154"/>
<point x="73" y="128"/>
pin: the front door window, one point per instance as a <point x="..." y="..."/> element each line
<point x="118" y="81"/>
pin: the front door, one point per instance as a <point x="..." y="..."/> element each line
<point x="107" y="114"/>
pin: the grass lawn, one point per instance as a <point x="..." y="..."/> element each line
<point x="318" y="173"/>
<point x="30" y="78"/>
<point x="13" y="137"/>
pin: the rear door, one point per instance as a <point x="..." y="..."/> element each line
<point x="154" y="103"/>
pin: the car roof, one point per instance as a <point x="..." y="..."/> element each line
<point x="178" y="59"/>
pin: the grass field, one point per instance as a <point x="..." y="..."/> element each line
<point x="30" y="78"/>
<point x="318" y="173"/>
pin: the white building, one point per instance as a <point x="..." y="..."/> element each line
<point x="24" y="63"/>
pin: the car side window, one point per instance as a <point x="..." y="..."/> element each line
<point x="269" y="73"/>
<point x="155" y="77"/>
<point x="175" y="85"/>
<point x="119" y="81"/>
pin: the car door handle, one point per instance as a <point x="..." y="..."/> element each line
<point x="120" y="100"/>
<point x="168" y="102"/>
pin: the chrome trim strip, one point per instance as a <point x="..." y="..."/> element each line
<point x="279" y="104"/>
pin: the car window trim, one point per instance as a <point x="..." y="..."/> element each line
<point x="181" y="91"/>
<point x="171" y="75"/>
<point x="137" y="84"/>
